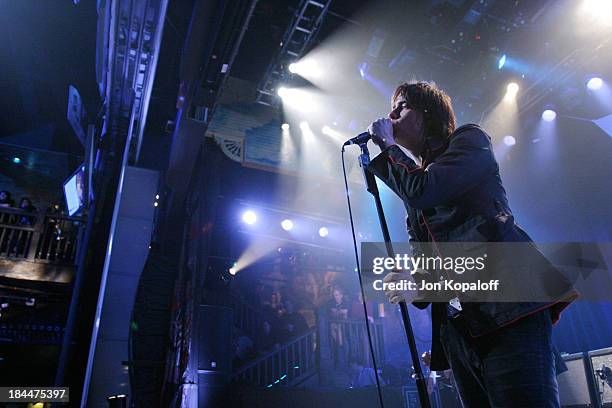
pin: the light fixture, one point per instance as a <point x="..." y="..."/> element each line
<point x="297" y="98"/>
<point x="306" y="68"/>
<point x="549" y="115"/>
<point x="594" y="83"/>
<point x="512" y="88"/>
<point x="509" y="140"/>
<point x="599" y="10"/>
<point x="501" y="62"/>
<point x="323" y="232"/>
<point x="287" y="225"/>
<point x="249" y="217"/>
<point x="282" y="91"/>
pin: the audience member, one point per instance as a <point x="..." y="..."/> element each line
<point x="356" y="312"/>
<point x="337" y="308"/>
<point x="268" y="337"/>
<point x="292" y="324"/>
<point x="26" y="205"/>
<point x="5" y="199"/>
<point x="274" y="308"/>
<point x="243" y="351"/>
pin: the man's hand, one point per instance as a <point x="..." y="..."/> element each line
<point x="382" y="132"/>
<point x="396" y="296"/>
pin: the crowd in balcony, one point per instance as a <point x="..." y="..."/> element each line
<point x="17" y="229"/>
<point x="25" y="204"/>
<point x="292" y="310"/>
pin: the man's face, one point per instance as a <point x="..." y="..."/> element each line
<point x="407" y="125"/>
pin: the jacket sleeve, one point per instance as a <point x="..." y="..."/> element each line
<point x="462" y="166"/>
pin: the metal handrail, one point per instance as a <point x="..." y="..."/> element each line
<point x="284" y="366"/>
<point x="348" y="340"/>
<point x="50" y="237"/>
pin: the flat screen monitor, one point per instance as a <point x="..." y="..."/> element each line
<point x="74" y="191"/>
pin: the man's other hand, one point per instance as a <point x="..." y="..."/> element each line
<point x="395" y="295"/>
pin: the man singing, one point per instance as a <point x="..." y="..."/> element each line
<point x="501" y="353"/>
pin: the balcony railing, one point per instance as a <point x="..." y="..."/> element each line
<point x="38" y="236"/>
<point x="349" y="341"/>
<point x="289" y="365"/>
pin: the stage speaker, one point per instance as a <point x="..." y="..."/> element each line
<point x="214" y="334"/>
<point x="215" y="339"/>
<point x="575" y="386"/>
<point x="601" y="372"/>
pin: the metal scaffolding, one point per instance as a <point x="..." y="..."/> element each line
<point x="299" y="35"/>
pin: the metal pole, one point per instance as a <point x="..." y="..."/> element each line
<point x="364" y="161"/>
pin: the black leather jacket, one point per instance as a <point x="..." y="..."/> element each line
<point x="459" y="196"/>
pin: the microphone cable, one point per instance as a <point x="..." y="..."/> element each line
<point x="365" y="308"/>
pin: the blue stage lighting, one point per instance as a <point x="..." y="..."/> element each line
<point x="323" y="232"/>
<point x="249" y="217"/>
<point x="549" y="115"/>
<point x="594" y="83"/>
<point x="509" y="140"/>
<point x="363" y="67"/>
<point x="16" y="160"/>
<point x="501" y="61"/>
<point x="287" y="225"/>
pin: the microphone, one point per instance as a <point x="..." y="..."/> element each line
<point x="359" y="139"/>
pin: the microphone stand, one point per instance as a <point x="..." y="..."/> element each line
<point x="370" y="181"/>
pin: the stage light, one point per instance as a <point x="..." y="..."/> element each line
<point x="549" y="115"/>
<point x="287" y="225"/>
<point x="285" y="126"/>
<point x="509" y="140"/>
<point x="363" y="68"/>
<point x="326" y="130"/>
<point x="30" y="302"/>
<point x="306" y="68"/>
<point x="512" y="88"/>
<point x="594" y="84"/>
<point x="282" y="91"/>
<point x="233" y="270"/>
<point x="296" y="98"/>
<point x="501" y="62"/>
<point x="304" y="126"/>
<point x="16" y="160"/>
<point x="157" y="196"/>
<point x="249" y="217"/>
<point x="155" y="204"/>
<point x="323" y="232"/>
<point x="601" y="10"/>
<point x="511" y="91"/>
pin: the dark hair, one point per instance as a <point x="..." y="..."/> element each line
<point x="435" y="105"/>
